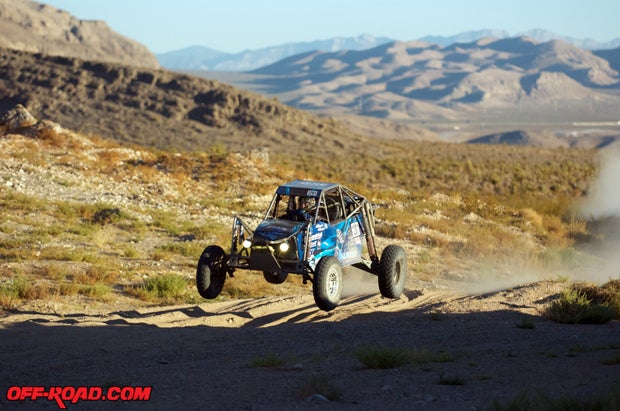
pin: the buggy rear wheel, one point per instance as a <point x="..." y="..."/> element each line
<point x="211" y="272"/>
<point x="275" y="277"/>
<point x="327" y="283"/>
<point x="392" y="271"/>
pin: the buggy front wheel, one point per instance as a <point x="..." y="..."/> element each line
<point x="211" y="272"/>
<point x="327" y="283"/>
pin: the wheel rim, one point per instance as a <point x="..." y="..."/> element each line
<point x="396" y="271"/>
<point x="332" y="283"/>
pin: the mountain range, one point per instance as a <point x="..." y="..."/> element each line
<point x="516" y="78"/>
<point x="93" y="80"/>
<point x="205" y="58"/>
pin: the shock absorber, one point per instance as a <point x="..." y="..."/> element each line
<point x="368" y="220"/>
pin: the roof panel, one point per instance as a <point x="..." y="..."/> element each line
<point x="305" y="188"/>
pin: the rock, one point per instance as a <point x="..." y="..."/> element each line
<point x="472" y="218"/>
<point x="318" y="397"/>
<point x="48" y="125"/>
<point x="16" y="119"/>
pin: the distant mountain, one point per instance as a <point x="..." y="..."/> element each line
<point x="542" y="36"/>
<point x="465" y="37"/>
<point x="204" y="58"/>
<point x="193" y="58"/>
<point x="538" y="35"/>
<point x="35" y="27"/>
<point x="521" y="138"/>
<point x="405" y="80"/>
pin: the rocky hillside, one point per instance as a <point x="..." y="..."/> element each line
<point x="161" y="108"/>
<point x="35" y="27"/>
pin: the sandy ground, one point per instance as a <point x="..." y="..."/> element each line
<point x="473" y="350"/>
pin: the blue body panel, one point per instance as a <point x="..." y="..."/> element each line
<point x="274" y="230"/>
<point x="342" y="240"/>
<point x="333" y="226"/>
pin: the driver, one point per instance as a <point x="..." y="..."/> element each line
<point x="303" y="210"/>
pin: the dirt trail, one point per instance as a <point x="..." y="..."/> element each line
<point x="203" y="356"/>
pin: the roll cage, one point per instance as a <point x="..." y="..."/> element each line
<point x="310" y="228"/>
<point x="329" y="203"/>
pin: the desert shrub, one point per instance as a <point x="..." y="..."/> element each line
<point x="185" y="248"/>
<point x="23" y="202"/>
<point x="268" y="361"/>
<point x="586" y="304"/>
<point x="381" y="357"/>
<point x="163" y="287"/>
<point x="239" y="290"/>
<point x="130" y="251"/>
<point x="451" y="380"/>
<point x="93" y="274"/>
<point x="100" y="292"/>
<point x="10" y="294"/>
<point x="320" y="385"/>
<point x="18" y="289"/>
<point x="526" y="324"/>
<point x="166" y="285"/>
<point x="106" y="216"/>
<point x="166" y="221"/>
<point x="15" y="249"/>
<point x="606" y="294"/>
<point x="528" y="401"/>
<point x="219" y="151"/>
<point x="54" y="138"/>
<point x="68" y="288"/>
<point x="614" y="360"/>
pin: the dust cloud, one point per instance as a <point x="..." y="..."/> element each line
<point x="359" y="282"/>
<point x="603" y="200"/>
<point x="595" y="259"/>
<point x="601" y="209"/>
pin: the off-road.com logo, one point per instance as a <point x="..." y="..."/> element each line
<point x="72" y="395"/>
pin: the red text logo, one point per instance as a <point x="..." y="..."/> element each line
<point x="72" y="395"/>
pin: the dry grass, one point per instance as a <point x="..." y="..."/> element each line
<point x="586" y="303"/>
<point x="459" y="202"/>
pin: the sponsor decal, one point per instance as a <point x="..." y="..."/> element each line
<point x="63" y="395"/>
<point x="316" y="236"/>
<point x="340" y="236"/>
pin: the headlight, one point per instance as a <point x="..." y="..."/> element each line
<point x="247" y="244"/>
<point x="284" y="247"/>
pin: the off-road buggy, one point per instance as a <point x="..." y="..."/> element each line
<point x="313" y="229"/>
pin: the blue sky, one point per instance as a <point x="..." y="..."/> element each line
<point x="236" y="25"/>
